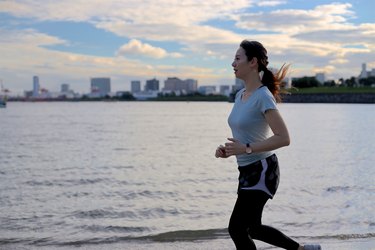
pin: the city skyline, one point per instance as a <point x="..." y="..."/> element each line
<point x="103" y="85"/>
<point x="71" y="42"/>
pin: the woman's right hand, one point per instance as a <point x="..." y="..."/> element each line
<point x="220" y="152"/>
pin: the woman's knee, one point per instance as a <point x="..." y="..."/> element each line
<point x="254" y="230"/>
<point x="232" y="229"/>
<point x="236" y="229"/>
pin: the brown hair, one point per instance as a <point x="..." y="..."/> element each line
<point x="269" y="79"/>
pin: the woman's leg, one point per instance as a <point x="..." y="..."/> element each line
<point x="273" y="236"/>
<point x="246" y="223"/>
<point x="239" y="224"/>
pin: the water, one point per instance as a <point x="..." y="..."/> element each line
<point x="107" y="173"/>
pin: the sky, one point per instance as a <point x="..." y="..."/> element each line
<point x="71" y="41"/>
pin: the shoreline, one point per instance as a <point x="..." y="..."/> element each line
<point x="222" y="243"/>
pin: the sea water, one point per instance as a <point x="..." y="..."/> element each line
<point x="106" y="173"/>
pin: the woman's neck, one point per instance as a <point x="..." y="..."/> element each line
<point x="252" y="83"/>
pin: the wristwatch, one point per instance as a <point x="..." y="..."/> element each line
<point x="248" y="149"/>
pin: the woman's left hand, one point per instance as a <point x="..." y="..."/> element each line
<point x="234" y="147"/>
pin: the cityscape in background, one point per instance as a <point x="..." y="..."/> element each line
<point x="100" y="87"/>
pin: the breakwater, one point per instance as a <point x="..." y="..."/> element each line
<point x="329" y="98"/>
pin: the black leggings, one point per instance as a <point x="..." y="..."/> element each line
<point x="246" y="223"/>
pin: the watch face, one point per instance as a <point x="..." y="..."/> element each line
<point x="248" y="150"/>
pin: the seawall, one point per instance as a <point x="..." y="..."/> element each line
<point x="329" y="98"/>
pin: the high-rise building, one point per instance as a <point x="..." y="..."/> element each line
<point x="320" y="77"/>
<point x="64" y="88"/>
<point x="36" y="86"/>
<point x="152" y="85"/>
<point x="175" y="84"/>
<point x="101" y="86"/>
<point x="364" y="73"/>
<point x="192" y="85"/>
<point x="135" y="86"/>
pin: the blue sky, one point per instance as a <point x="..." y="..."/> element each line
<point x="71" y="41"/>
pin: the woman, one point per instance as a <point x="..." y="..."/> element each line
<point x="254" y="113"/>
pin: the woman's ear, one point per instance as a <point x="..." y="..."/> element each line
<point x="254" y="61"/>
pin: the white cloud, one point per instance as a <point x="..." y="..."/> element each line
<point x="295" y="21"/>
<point x="29" y="37"/>
<point x="327" y="69"/>
<point x="136" y="47"/>
<point x="271" y="3"/>
<point x="164" y="20"/>
<point x="135" y="11"/>
<point x="339" y="61"/>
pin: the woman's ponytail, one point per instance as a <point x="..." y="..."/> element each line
<point x="273" y="81"/>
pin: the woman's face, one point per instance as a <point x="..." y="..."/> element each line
<point x="241" y="65"/>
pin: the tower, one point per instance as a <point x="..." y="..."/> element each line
<point x="36" y="86"/>
<point x="364" y="73"/>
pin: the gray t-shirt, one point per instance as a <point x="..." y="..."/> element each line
<point x="248" y="123"/>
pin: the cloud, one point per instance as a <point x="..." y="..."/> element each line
<point x="351" y="34"/>
<point x="135" y="11"/>
<point x="295" y="21"/>
<point x="323" y="36"/>
<point x="136" y="47"/>
<point x="29" y="37"/>
<point x="163" y="20"/>
<point x="327" y="69"/>
<point x="271" y="3"/>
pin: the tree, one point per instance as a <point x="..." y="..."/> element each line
<point x="350" y="82"/>
<point x="127" y="96"/>
<point x="367" y="81"/>
<point x="330" y="83"/>
<point x="305" y="82"/>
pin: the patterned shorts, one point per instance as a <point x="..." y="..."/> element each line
<point x="262" y="175"/>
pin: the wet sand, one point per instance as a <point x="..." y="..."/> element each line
<point x="215" y="244"/>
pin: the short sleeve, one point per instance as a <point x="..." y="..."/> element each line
<point x="267" y="101"/>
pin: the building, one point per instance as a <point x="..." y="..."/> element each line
<point x="225" y="90"/>
<point x="135" y="86"/>
<point x="364" y="73"/>
<point x="207" y="90"/>
<point x="320" y="77"/>
<point x="64" y="88"/>
<point x="192" y="85"/>
<point x="66" y="92"/>
<point x="152" y="85"/>
<point x="174" y="84"/>
<point x="36" y="86"/>
<point x="100" y="87"/>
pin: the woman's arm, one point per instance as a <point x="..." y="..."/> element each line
<point x="279" y="139"/>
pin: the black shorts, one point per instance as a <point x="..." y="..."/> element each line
<point x="261" y="175"/>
